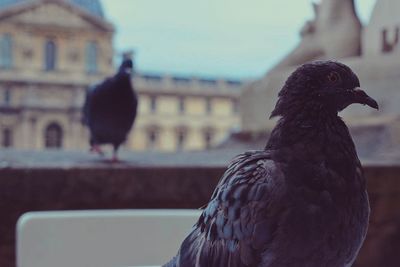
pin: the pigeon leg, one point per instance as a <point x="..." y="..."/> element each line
<point x="96" y="149"/>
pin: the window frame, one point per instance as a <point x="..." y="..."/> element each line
<point x="92" y="57"/>
<point x="58" y="141"/>
<point x="50" y="55"/>
<point x="6" y="51"/>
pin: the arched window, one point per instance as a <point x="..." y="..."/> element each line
<point x="91" y="57"/>
<point x="53" y="136"/>
<point x="6" y="51"/>
<point x="50" y="54"/>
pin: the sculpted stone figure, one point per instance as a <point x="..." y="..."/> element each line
<point x="335" y="32"/>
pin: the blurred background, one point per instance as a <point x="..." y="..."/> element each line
<point x="200" y="66"/>
<point x="207" y="74"/>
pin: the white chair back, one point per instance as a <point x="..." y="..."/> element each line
<point x="101" y="238"/>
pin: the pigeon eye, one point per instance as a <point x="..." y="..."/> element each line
<point x="333" y="77"/>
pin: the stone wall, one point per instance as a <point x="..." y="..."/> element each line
<point x="179" y="185"/>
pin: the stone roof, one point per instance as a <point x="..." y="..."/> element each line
<point x="94" y="7"/>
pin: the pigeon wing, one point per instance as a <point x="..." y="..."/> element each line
<point x="98" y="103"/>
<point x="239" y="222"/>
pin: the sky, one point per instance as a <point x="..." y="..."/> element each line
<point x="238" y="39"/>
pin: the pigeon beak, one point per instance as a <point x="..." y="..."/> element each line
<point x="362" y="98"/>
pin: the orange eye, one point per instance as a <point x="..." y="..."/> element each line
<point x="333" y="77"/>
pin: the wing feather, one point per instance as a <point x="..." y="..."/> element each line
<point x="234" y="228"/>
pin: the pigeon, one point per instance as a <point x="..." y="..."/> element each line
<point x="300" y="202"/>
<point x="110" y="109"/>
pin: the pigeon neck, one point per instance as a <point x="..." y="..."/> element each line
<point x="312" y="136"/>
<point x="123" y="74"/>
<point x="124" y="79"/>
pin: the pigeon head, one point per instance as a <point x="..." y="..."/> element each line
<point x="321" y="86"/>
<point x="126" y="66"/>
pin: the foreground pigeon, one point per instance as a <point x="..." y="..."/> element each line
<point x="110" y="109"/>
<point x="302" y="201"/>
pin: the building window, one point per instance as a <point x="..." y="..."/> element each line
<point x="6" y="51"/>
<point x="7" y="97"/>
<point x="208" y="139"/>
<point x="50" y="53"/>
<point x="152" y="139"/>
<point x="208" y="105"/>
<point x="388" y="44"/>
<point x="91" y="57"/>
<point x="7" y="140"/>
<point x="153" y="104"/>
<point x="53" y="136"/>
<point x="181" y="105"/>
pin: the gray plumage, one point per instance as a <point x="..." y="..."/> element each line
<point x="300" y="202"/>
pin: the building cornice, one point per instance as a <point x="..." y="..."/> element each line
<point x="23" y="7"/>
<point x="56" y="79"/>
<point x="51" y="79"/>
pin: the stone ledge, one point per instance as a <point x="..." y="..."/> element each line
<point x="16" y="159"/>
<point x="178" y="181"/>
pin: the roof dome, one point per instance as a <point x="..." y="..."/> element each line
<point x="94" y="7"/>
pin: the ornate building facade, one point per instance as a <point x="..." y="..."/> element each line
<point x="371" y="50"/>
<point x="184" y="113"/>
<point x="52" y="50"/>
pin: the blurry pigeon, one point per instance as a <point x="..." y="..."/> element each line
<point x="302" y="201"/>
<point x="110" y="109"/>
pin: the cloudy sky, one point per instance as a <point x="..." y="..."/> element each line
<point x="218" y="38"/>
